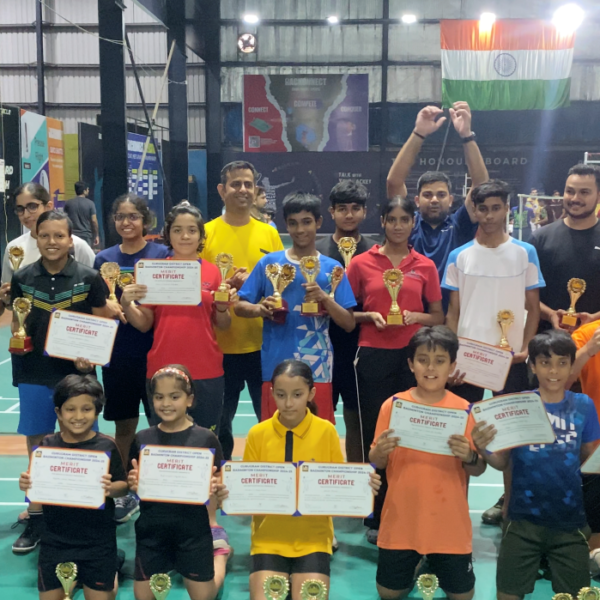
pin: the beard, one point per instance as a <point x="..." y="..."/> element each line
<point x="583" y="215"/>
<point x="435" y="219"/>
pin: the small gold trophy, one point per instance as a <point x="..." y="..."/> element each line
<point x="20" y="342"/>
<point x="111" y="271"/>
<point x="310" y="266"/>
<point x="313" y="589"/>
<point x="505" y="320"/>
<point x="224" y="263"/>
<point x="576" y="288"/>
<point x="160" y="585"/>
<point x="589" y="593"/>
<point x="347" y="248"/>
<point x="393" y="279"/>
<point x="427" y="585"/>
<point x="16" y="255"/>
<point x="280" y="277"/>
<point x="67" y="574"/>
<point x="125" y="279"/>
<point x="276" y="587"/>
<point x="273" y="273"/>
<point x="562" y="596"/>
<point x="337" y="274"/>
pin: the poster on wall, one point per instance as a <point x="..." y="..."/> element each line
<point x="149" y="183"/>
<point x="299" y="113"/>
<point x="34" y="149"/>
<point x="56" y="161"/>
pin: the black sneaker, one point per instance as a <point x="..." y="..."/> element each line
<point x="27" y="542"/>
<point x="125" y="508"/>
<point x="493" y="516"/>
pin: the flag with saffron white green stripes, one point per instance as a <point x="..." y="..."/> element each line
<point x="516" y="64"/>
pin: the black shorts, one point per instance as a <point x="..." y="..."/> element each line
<point x="124" y="387"/>
<point x="591" y="501"/>
<point x="178" y="545"/>
<point x="396" y="570"/>
<point x="97" y="573"/>
<point x="317" y="562"/>
<point x="343" y="383"/>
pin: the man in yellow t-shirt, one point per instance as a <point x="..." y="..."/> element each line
<point x="247" y="240"/>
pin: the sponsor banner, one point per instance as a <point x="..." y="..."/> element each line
<point x="56" y="161"/>
<point x="34" y="149"/>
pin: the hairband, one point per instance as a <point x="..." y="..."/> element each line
<point x="172" y="371"/>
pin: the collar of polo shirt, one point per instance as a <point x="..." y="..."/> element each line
<point x="68" y="270"/>
<point x="300" y="430"/>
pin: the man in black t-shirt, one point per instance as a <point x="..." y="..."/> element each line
<point x="570" y="248"/>
<point x="348" y="210"/>
<point x="82" y="212"/>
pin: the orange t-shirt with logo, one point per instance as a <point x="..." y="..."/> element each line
<point x="590" y="374"/>
<point x="426" y="507"/>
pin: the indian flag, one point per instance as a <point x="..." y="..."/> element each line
<point x="515" y="64"/>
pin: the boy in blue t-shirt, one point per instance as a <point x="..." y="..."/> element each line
<point x="302" y="337"/>
<point x="546" y="511"/>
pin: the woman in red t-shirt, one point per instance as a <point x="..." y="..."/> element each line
<point x="185" y="334"/>
<point x="381" y="361"/>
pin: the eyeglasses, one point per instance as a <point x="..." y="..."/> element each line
<point x="31" y="208"/>
<point x="133" y="217"/>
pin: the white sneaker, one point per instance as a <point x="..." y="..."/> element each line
<point x="334" y="545"/>
<point x="595" y="562"/>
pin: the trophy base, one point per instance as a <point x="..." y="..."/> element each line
<point x="222" y="298"/>
<point x="395" y="320"/>
<point x="569" y="321"/>
<point x="20" y="345"/>
<point x="311" y="309"/>
<point x="280" y="313"/>
<point x="506" y="347"/>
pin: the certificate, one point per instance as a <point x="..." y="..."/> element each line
<point x="73" y="335"/>
<point x="520" y="420"/>
<point x="259" y="488"/>
<point x="592" y="465"/>
<point x="66" y="477"/>
<point x="175" y="282"/>
<point x="175" y="474"/>
<point x="484" y="365"/>
<point x="426" y="428"/>
<point x="335" y="489"/>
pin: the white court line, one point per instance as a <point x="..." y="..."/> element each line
<point x="486" y="485"/>
<point x="11" y="410"/>
<point x="2" y="398"/>
<point x="9" y="479"/>
<point x="13" y="503"/>
<point x="5" y="361"/>
<point x="476" y="512"/>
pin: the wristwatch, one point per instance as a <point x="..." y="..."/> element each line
<point x="470" y="138"/>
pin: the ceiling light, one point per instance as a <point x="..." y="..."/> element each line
<point x="409" y="19"/>
<point x="251" y="19"/>
<point x="333" y="20"/>
<point x="486" y="20"/>
<point x="568" y="18"/>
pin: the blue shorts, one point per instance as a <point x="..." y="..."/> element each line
<point x="36" y="410"/>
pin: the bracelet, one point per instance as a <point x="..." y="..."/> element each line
<point x="474" y="459"/>
<point x="418" y="134"/>
<point x="222" y="311"/>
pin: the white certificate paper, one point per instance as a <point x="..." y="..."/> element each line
<point x="175" y="474"/>
<point x="174" y="282"/>
<point x="520" y="420"/>
<point x="73" y="335"/>
<point x="66" y="477"/>
<point x="259" y="488"/>
<point x="335" y="489"/>
<point x="426" y="428"/>
<point x="592" y="465"/>
<point x="484" y="365"/>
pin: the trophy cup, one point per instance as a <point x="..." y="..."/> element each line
<point x="67" y="574"/>
<point x="347" y="248"/>
<point x="111" y="271"/>
<point x="427" y="585"/>
<point x="562" y="596"/>
<point x="310" y="266"/>
<point x="224" y="263"/>
<point x="505" y="320"/>
<point x="280" y="277"/>
<point x="125" y="279"/>
<point x="16" y="255"/>
<point x="393" y="279"/>
<point x="337" y="274"/>
<point x="20" y="342"/>
<point x="276" y="587"/>
<point x="576" y="288"/>
<point x="160" y="585"/>
<point x="313" y="589"/>
<point x="589" y="593"/>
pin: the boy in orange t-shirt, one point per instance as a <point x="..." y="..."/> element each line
<point x="426" y="511"/>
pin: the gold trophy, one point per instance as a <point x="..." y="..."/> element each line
<point x="276" y="587"/>
<point x="427" y="585"/>
<point x="111" y="272"/>
<point x="505" y="320"/>
<point x="20" y="342"/>
<point x="589" y="593"/>
<point x="16" y="255"/>
<point x="67" y="574"/>
<point x="562" y="596"/>
<point x="313" y="589"/>
<point x="273" y="273"/>
<point x="393" y="279"/>
<point x="125" y="279"/>
<point x="576" y="288"/>
<point x="347" y="248"/>
<point x="310" y="266"/>
<point x="224" y="263"/>
<point x="337" y="274"/>
<point x="160" y="585"/>
<point x="280" y="277"/>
